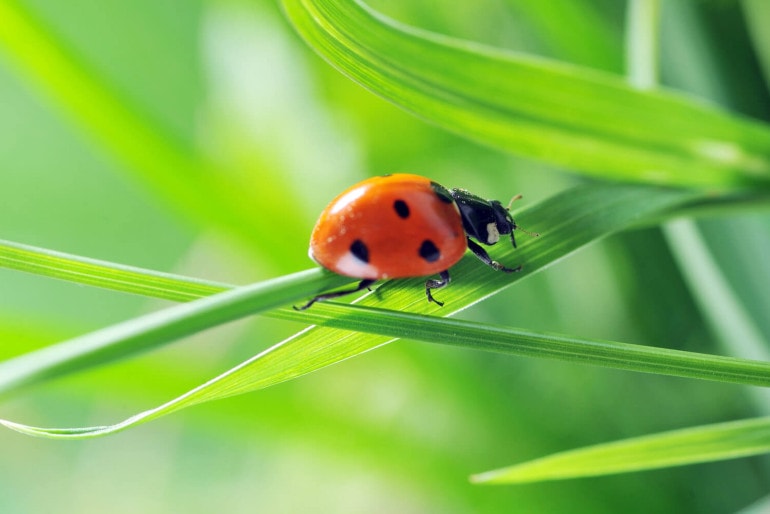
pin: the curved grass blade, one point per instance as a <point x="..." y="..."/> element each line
<point x="675" y="448"/>
<point x="272" y="366"/>
<point x="566" y="222"/>
<point x="400" y="324"/>
<point x="574" y="117"/>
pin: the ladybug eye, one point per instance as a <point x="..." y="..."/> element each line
<point x="402" y="209"/>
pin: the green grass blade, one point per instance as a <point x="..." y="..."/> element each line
<point x="525" y="343"/>
<point x="564" y="114"/>
<point x="273" y="366"/>
<point x="675" y="448"/>
<point x="575" y="217"/>
<point x="376" y="321"/>
<point x="103" y="274"/>
<point x="289" y="359"/>
<point x="566" y="222"/>
<point x="152" y="330"/>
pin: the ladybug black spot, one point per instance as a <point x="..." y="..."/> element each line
<point x="359" y="250"/>
<point x="443" y="193"/>
<point x="402" y="209"/>
<point x="429" y="252"/>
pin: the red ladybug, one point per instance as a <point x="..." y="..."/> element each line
<point x="401" y="225"/>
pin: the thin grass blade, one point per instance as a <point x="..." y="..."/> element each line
<point x="93" y="272"/>
<point x="676" y="448"/>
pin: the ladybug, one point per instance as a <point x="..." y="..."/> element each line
<point x="402" y="225"/>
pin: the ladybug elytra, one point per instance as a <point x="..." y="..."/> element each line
<point x="402" y="225"/>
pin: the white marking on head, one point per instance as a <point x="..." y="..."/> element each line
<point x="493" y="235"/>
<point x="352" y="266"/>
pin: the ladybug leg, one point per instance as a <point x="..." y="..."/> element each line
<point x="364" y="284"/>
<point x="437" y="284"/>
<point x="482" y="254"/>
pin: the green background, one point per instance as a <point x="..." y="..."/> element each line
<point x="398" y="429"/>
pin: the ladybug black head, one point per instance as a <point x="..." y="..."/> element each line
<point x="504" y="220"/>
<point x="484" y="220"/>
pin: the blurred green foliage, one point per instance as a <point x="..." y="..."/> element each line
<point x="399" y="429"/>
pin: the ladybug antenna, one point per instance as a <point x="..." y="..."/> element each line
<point x="515" y="226"/>
<point x="530" y="234"/>
<point x="515" y="197"/>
